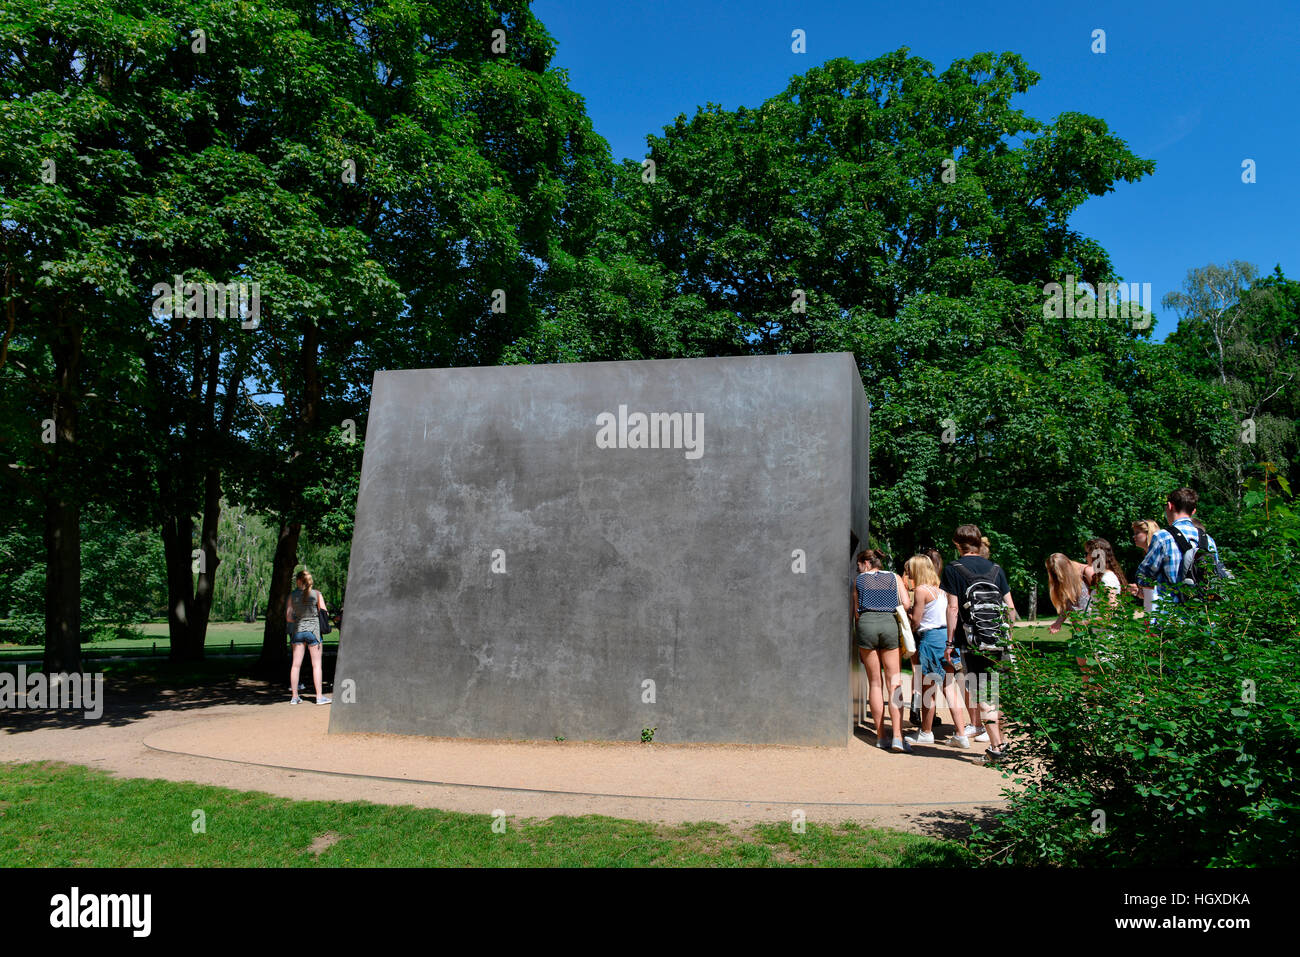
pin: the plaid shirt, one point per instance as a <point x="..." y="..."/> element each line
<point x="1163" y="561"/>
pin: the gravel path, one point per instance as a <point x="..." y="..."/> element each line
<point x="240" y="734"/>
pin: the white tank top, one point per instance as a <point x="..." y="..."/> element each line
<point x="936" y="612"/>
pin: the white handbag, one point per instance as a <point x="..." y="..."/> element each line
<point x="905" y="630"/>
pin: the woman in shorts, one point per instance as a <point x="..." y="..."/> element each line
<point x="929" y="622"/>
<point x="876" y="594"/>
<point x="302" y="612"/>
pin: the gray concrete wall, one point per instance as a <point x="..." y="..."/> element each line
<point x="621" y="565"/>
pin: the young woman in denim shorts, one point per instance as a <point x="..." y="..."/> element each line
<point x="302" y="612"/>
<point x="934" y="675"/>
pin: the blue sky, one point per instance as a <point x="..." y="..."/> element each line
<point x="1197" y="87"/>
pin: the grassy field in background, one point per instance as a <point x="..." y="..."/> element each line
<point x="246" y="636"/>
<point x="55" y="815"/>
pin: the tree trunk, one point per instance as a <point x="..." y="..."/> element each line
<point x="63" y="516"/>
<point x="202" y="609"/>
<point x="177" y="534"/>
<point x="62" y="586"/>
<point x="274" y="662"/>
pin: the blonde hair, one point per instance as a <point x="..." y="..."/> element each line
<point x="304" y="575"/>
<point x="1063" y="581"/>
<point x="1148" y="526"/>
<point x="984" y="546"/>
<point x="920" y="569"/>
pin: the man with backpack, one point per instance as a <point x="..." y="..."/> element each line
<point x="1181" y="560"/>
<point x="980" y="611"/>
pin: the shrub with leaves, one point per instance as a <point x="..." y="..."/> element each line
<point x="1178" y="742"/>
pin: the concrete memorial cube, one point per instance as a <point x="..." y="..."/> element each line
<point x="587" y="550"/>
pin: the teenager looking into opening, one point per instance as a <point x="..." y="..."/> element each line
<point x="1163" y="561"/>
<point x="876" y="594"/>
<point x="971" y="583"/>
<point x="929" y="616"/>
<point x="302" y="612"/>
<point x="1144" y="529"/>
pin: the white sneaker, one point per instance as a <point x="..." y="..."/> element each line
<point x="958" y="741"/>
<point x="921" y="737"/>
<point x="982" y="736"/>
<point x="902" y="745"/>
<point x="969" y="732"/>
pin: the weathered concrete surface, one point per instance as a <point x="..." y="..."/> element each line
<point x="621" y="565"/>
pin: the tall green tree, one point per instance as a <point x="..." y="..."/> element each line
<point x="394" y="175"/>
<point x="915" y="218"/>
<point x="453" y="165"/>
<point x="70" y="370"/>
<point x="1240" y="334"/>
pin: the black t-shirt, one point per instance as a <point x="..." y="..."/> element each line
<point x="954" y="583"/>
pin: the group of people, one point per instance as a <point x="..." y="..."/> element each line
<point x="961" y="614"/>
<point x="1163" y="577"/>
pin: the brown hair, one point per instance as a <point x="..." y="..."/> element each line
<point x="936" y="559"/>
<point x="1184" y="500"/>
<point x="305" y="576"/>
<point x="984" y="546"/>
<point x="864" y="556"/>
<point x="1095" y="545"/>
<point x="1063" y="581"/>
<point x="968" y="535"/>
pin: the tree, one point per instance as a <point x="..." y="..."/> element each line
<point x="394" y="176"/>
<point x="450" y="162"/>
<point x="1240" y="334"/>
<point x="69" y="371"/>
<point x="916" y="219"/>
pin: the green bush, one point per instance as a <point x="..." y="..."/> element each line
<point x="1179" y="746"/>
<point x="110" y="631"/>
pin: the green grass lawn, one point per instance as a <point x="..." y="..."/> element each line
<point x="246" y="638"/>
<point x="55" y="815"/>
<point x="1038" y="632"/>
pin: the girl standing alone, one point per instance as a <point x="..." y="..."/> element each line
<point x="302" y="612"/>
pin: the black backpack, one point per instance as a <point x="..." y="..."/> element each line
<point x="980" y="609"/>
<point x="1197" y="569"/>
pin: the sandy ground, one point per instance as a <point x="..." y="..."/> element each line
<point x="242" y="734"/>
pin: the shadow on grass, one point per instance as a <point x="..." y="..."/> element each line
<point x="955" y="825"/>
